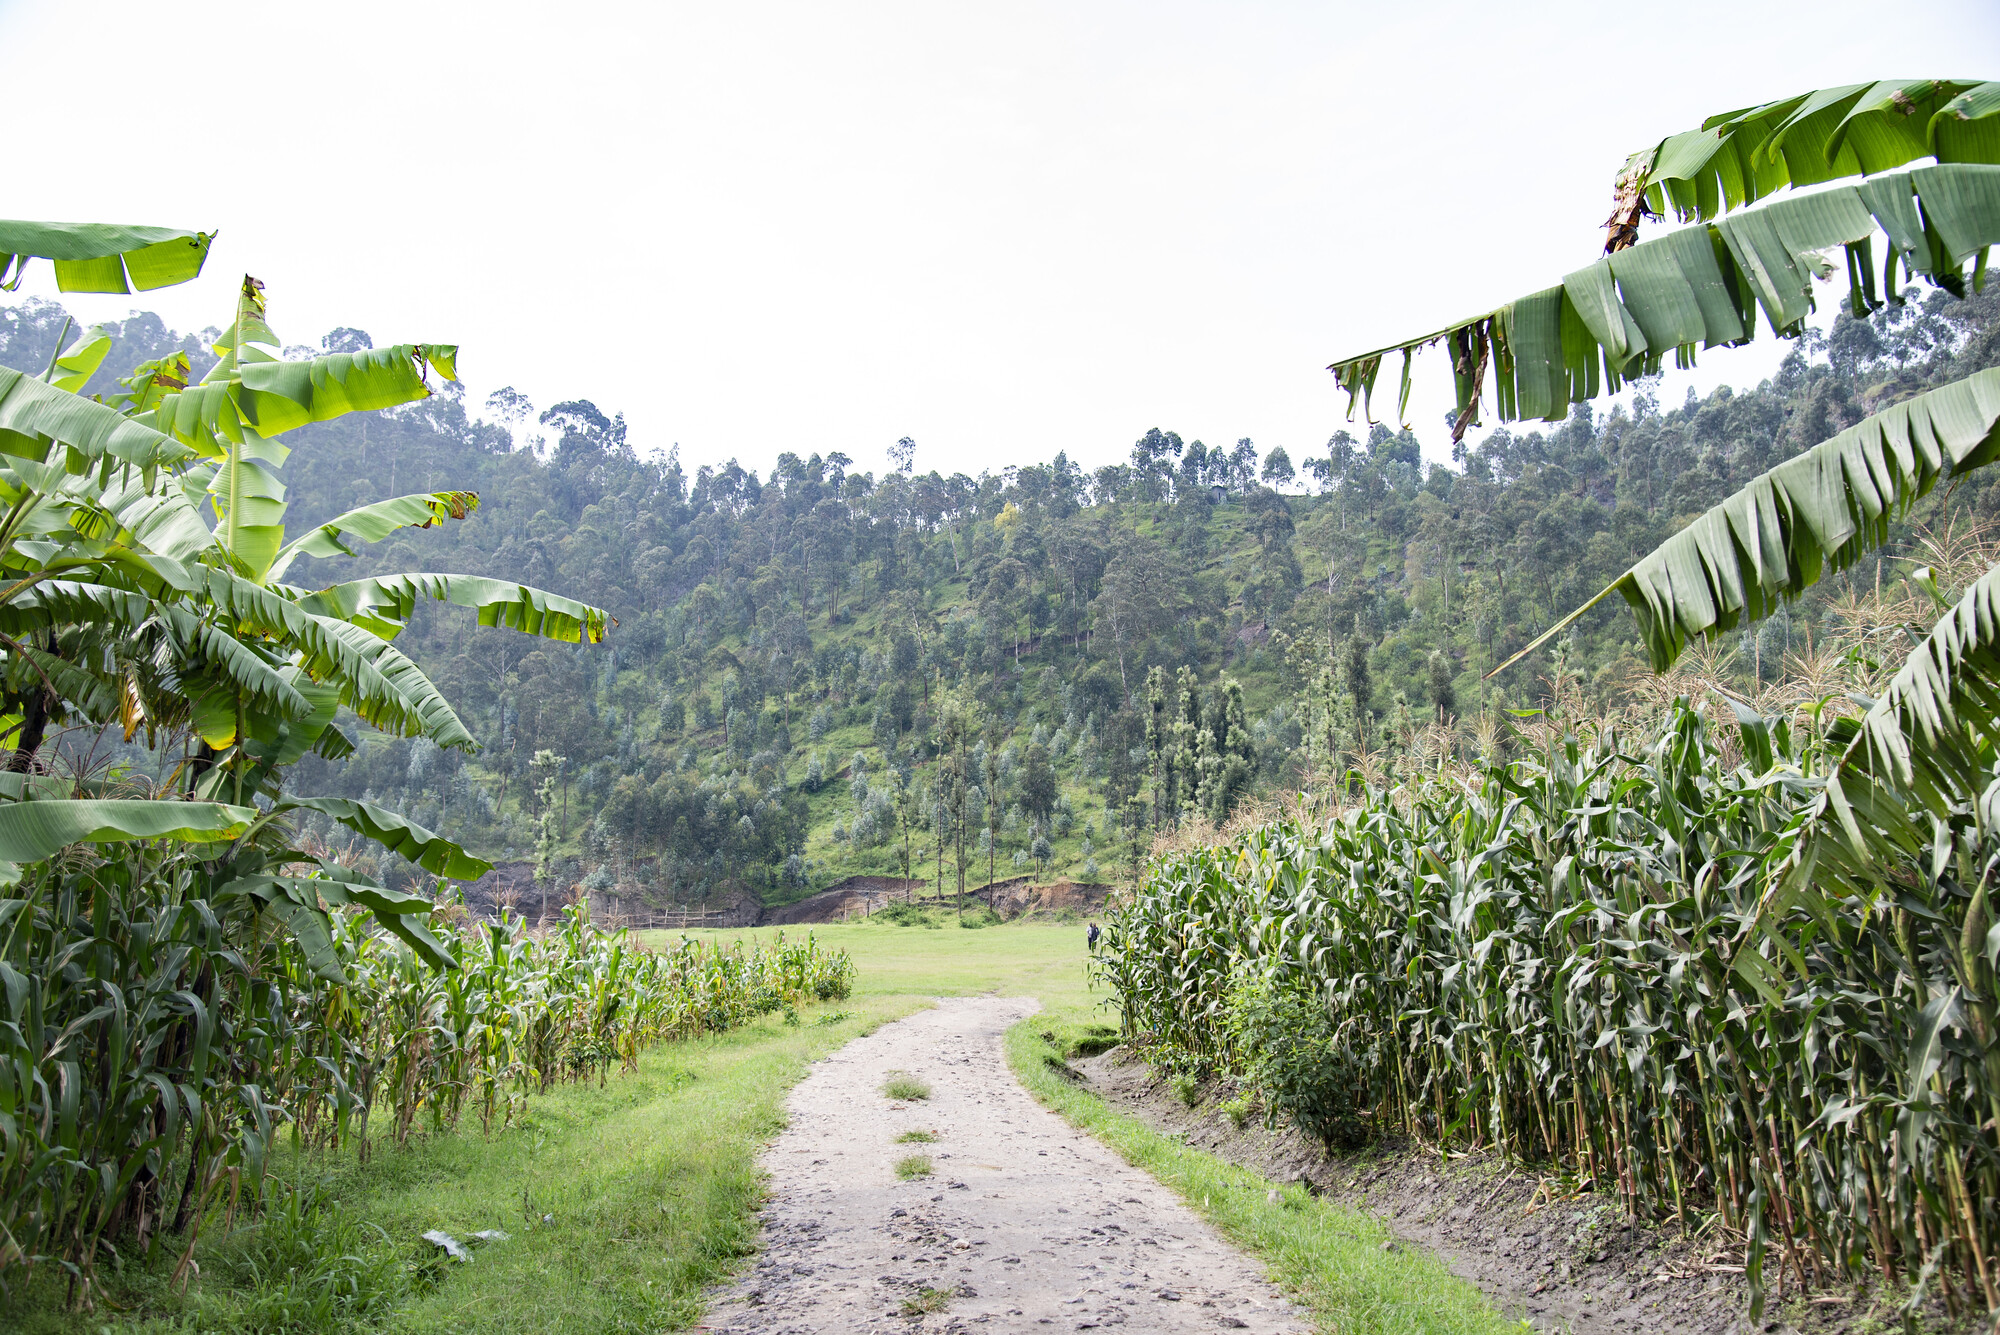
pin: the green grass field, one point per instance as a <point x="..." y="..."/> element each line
<point x="623" y="1202"/>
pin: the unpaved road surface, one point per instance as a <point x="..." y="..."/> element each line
<point x="1027" y="1223"/>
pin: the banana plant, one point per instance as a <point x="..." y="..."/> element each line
<point x="143" y="556"/>
<point x="212" y="536"/>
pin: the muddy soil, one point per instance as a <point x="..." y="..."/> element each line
<point x="1566" y="1262"/>
<point x="1024" y="1223"/>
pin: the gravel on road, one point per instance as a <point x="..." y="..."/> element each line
<point x="1023" y="1223"/>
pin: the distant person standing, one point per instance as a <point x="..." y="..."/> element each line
<point x="1091" y="939"/>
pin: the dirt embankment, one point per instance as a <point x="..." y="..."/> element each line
<point x="512" y="884"/>
<point x="1568" y="1261"/>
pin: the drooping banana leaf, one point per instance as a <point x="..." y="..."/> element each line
<point x="372" y="523"/>
<point x="159" y="514"/>
<point x="1814" y="515"/>
<point x="375" y="679"/>
<point x="302" y="902"/>
<point x="196" y="642"/>
<point x="433" y="852"/>
<point x="31" y="831"/>
<point x="1860" y="129"/>
<point x="102" y="257"/>
<point x="1702" y="288"/>
<point x="384" y="603"/>
<point x="33" y="414"/>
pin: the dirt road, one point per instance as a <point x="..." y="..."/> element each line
<point x="1024" y="1223"/>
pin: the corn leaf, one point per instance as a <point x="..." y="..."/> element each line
<point x="102" y="257"/>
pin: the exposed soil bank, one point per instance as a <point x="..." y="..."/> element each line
<point x="1567" y="1263"/>
<point x="1025" y="1223"/>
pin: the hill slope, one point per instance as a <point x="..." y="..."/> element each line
<point x="819" y="672"/>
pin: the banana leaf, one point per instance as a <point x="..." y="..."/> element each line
<point x="384" y="603"/>
<point x="102" y="257"/>
<point x="372" y="523"/>
<point x="1813" y="515"/>
<point x="77" y="363"/>
<point x="31" y="831"/>
<point x="1702" y="288"/>
<point x="375" y="679"/>
<point x="1860" y="129"/>
<point x="34" y="414"/>
<point x="433" y="852"/>
<point x="302" y="902"/>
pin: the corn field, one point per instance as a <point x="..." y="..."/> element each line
<point x="157" y="1040"/>
<point x="1568" y="959"/>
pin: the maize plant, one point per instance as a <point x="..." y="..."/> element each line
<point x="159" y="1033"/>
<point x="1574" y="959"/>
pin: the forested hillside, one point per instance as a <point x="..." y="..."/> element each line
<point x="820" y="671"/>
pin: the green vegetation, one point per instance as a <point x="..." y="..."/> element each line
<point x="774" y="627"/>
<point x="915" y="1165"/>
<point x="647" y="1182"/>
<point x="622" y="1201"/>
<point x="1331" y="1259"/>
<point x="927" y="1300"/>
<point x="176" y="968"/>
<point x="1742" y="976"/>
<point x="917" y="1138"/>
<point x="906" y="1087"/>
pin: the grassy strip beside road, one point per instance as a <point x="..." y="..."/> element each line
<point x="650" y="1182"/>
<point x="1329" y="1258"/>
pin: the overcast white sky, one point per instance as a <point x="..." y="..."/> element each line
<point x="1004" y="230"/>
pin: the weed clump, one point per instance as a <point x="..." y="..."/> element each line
<point x="915" y="1165"/>
<point x="927" y="1300"/>
<point x="906" y="1088"/>
<point x="309" y="1265"/>
<point x="916" y="1138"/>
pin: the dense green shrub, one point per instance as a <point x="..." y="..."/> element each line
<point x="1285" y="1045"/>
